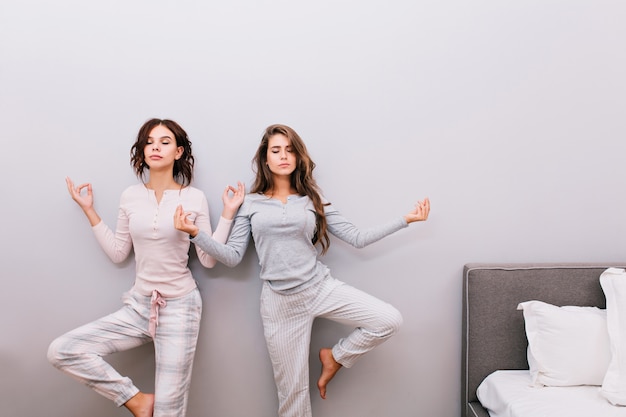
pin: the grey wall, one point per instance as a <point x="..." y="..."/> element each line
<point x="508" y="115"/>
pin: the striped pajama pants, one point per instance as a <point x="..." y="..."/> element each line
<point x="287" y="322"/>
<point x="79" y="352"/>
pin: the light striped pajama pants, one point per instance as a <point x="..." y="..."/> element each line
<point x="287" y="323"/>
<point x="79" y="352"/>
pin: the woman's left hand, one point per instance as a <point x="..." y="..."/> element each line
<point x="420" y="212"/>
<point x="182" y="223"/>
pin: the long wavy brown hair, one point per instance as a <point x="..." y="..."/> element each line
<point x="183" y="167"/>
<point x="301" y="179"/>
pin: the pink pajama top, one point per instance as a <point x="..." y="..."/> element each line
<point x="161" y="251"/>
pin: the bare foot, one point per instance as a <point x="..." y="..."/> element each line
<point x="329" y="368"/>
<point x="141" y="405"/>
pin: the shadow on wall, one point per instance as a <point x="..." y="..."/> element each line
<point x="137" y="364"/>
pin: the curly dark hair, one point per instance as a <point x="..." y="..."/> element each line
<point x="301" y="179"/>
<point x="183" y="167"/>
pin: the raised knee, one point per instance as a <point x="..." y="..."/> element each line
<point x="53" y="352"/>
<point x="395" y="321"/>
<point x="56" y="356"/>
<point x="388" y="324"/>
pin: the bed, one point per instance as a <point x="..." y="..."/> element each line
<point x="494" y="332"/>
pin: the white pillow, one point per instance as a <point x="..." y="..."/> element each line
<point x="613" y="282"/>
<point x="566" y="345"/>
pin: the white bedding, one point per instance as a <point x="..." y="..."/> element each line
<point x="510" y="394"/>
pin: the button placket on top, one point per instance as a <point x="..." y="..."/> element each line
<point x="155" y="219"/>
<point x="285" y="210"/>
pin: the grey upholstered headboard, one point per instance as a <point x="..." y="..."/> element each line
<point x="493" y="330"/>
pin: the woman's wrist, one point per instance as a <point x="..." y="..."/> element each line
<point x="228" y="214"/>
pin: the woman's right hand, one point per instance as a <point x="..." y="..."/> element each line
<point x="85" y="201"/>
<point x="232" y="198"/>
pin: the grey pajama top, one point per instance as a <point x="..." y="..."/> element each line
<point x="283" y="234"/>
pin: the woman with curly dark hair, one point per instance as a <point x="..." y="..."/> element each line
<point x="164" y="304"/>
<point x="287" y="216"/>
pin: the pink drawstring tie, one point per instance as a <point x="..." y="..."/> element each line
<point x="155" y="302"/>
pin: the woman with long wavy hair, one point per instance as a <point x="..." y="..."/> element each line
<point x="288" y="216"/>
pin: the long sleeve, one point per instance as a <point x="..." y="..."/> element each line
<point x="203" y="222"/>
<point x="339" y="226"/>
<point x="231" y="253"/>
<point x="116" y="245"/>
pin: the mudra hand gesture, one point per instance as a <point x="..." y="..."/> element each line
<point x="182" y="223"/>
<point x="231" y="197"/>
<point x="419" y="213"/>
<point x="85" y="201"/>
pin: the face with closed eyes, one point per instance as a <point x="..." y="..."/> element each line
<point x="161" y="151"/>
<point x="281" y="159"/>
